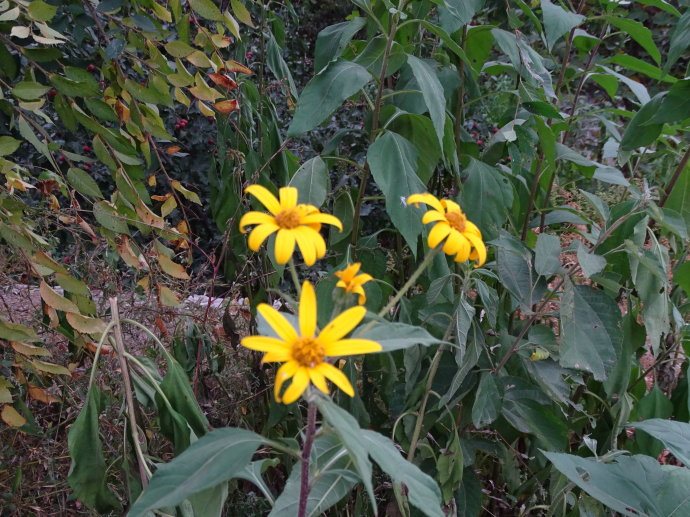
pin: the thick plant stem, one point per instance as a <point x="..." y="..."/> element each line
<point x="674" y="178"/>
<point x="306" y="453"/>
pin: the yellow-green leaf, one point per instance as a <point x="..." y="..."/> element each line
<point x="241" y="12"/>
<point x="50" y="367"/>
<point x="84" y="324"/>
<point x="11" y="417"/>
<point x="26" y="349"/>
<point x="56" y="300"/>
<point x="172" y="268"/>
<point x="167" y="297"/>
<point x="188" y="194"/>
<point x="206" y="9"/>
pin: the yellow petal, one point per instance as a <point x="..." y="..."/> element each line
<point x="288" y="197"/>
<point x="305" y="241"/>
<point x="342" y="325"/>
<point x="255" y="218"/>
<point x="318" y="380"/>
<point x="463" y="252"/>
<point x="451" y="206"/>
<point x="307" y="311"/>
<point x="362" y="299"/>
<point x="284" y="246"/>
<point x="265" y="198"/>
<point x="472" y="228"/>
<point x="299" y="383"/>
<point x="438" y="233"/>
<point x="453" y="243"/>
<point x="342" y="284"/>
<point x="319" y="244"/>
<point x="363" y="278"/>
<point x="284" y="373"/>
<point x="264" y="344"/>
<point x="432" y="215"/>
<point x="337" y="377"/>
<point x="278" y="323"/>
<point x="276" y="357"/>
<point x="323" y="218"/>
<point x="351" y="347"/>
<point x="479" y="247"/>
<point x="425" y="198"/>
<point x="260" y="234"/>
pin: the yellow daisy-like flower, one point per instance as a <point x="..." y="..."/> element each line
<point x="352" y="282"/>
<point x="463" y="238"/>
<point x="304" y="352"/>
<point x="295" y="223"/>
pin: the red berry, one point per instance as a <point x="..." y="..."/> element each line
<point x="101" y="84"/>
<point x="61" y="158"/>
<point x="210" y="119"/>
<point x="480" y="142"/>
<point x="494" y="130"/>
<point x="177" y="126"/>
<point x="87" y="149"/>
<point x="58" y="133"/>
<point x="90" y="164"/>
<point x="52" y="93"/>
<point x="90" y="68"/>
<point x="66" y="259"/>
<point x="211" y="141"/>
<point x="509" y="159"/>
<point x="249" y="55"/>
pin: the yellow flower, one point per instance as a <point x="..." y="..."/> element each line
<point x="304" y="352"/>
<point x="352" y="282"/>
<point x="463" y="238"/>
<point x="295" y="223"/>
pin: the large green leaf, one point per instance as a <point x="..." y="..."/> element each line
<point x="547" y="254"/>
<point x="456" y="13"/>
<point x="397" y="336"/>
<point x="487" y="401"/>
<point x="87" y="473"/>
<point x="347" y="429"/>
<point x="591" y="334"/>
<point x="325" y="93"/>
<point x="432" y="92"/>
<point x="327" y="489"/>
<point x="392" y="160"/>
<point x="176" y="387"/>
<point x="207" y="9"/>
<point x="680" y="40"/>
<point x="639" y="33"/>
<point x="332" y="41"/>
<point x="631" y="485"/>
<point x="674" y="435"/>
<point x="676" y="104"/>
<point x="515" y="269"/>
<point x="528" y="416"/>
<point x="216" y="457"/>
<point x="312" y="182"/>
<point x="277" y="65"/>
<point x="558" y="21"/>
<point x="422" y="490"/>
<point x="419" y="130"/>
<point x="487" y="196"/>
<point x="83" y="183"/>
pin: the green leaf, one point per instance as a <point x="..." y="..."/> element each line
<point x="637" y="65"/>
<point x="680" y="40"/>
<point x="101" y="110"/>
<point x="558" y="21"/>
<point x="514" y="262"/>
<point x="422" y="490"/>
<point x="590" y="263"/>
<point x="679" y="198"/>
<point x="333" y="40"/>
<point x="392" y="160"/>
<point x="456" y="13"/>
<point x="325" y="93"/>
<point x="674" y="435"/>
<point x="241" y="12"/>
<point x="661" y="4"/>
<point x="547" y="255"/>
<point x="486" y="197"/>
<point x="147" y="95"/>
<point x="528" y="416"/>
<point x="277" y="65"/>
<point x="331" y="486"/>
<point x="432" y="92"/>
<point x="542" y="108"/>
<point x="16" y="332"/>
<point x="639" y="33"/>
<point x="347" y="429"/>
<point x="176" y="387"/>
<point x="631" y="485"/>
<point x="397" y="336"/>
<point x="87" y="473"/>
<point x="41" y="11"/>
<point x="468" y="498"/>
<point x="681" y="276"/>
<point x="178" y="48"/>
<point x="9" y="63"/>
<point x="29" y="90"/>
<point x="591" y="333"/>
<point x="312" y="182"/>
<point x="216" y="457"/>
<point x="641" y="131"/>
<point x="487" y="401"/>
<point x="675" y="106"/>
<point x="107" y="216"/>
<point x="206" y="9"/>
<point x="419" y="130"/>
<point x="8" y="145"/>
<point x="72" y="88"/>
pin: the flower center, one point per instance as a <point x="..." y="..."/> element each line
<point x="456" y="220"/>
<point x="289" y="218"/>
<point x="308" y="352"/>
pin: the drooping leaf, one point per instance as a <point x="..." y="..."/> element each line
<point x="558" y="21"/>
<point x="392" y="160"/>
<point x="207" y="9"/>
<point x="332" y="41"/>
<point x="432" y="92"/>
<point x="83" y="183"/>
<point x="216" y="457"/>
<point x="397" y="336"/>
<point x="639" y="33"/>
<point x="487" y="401"/>
<point x="486" y="198"/>
<point x="674" y="435"/>
<point x="591" y="330"/>
<point x="547" y="255"/>
<point x="680" y="40"/>
<point x="87" y="473"/>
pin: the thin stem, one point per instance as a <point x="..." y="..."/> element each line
<point x="306" y="454"/>
<point x="674" y="178"/>
<point x="411" y="281"/>
<point x="129" y="397"/>
<point x="98" y="352"/>
<point x="532" y="194"/>
<point x="295" y="277"/>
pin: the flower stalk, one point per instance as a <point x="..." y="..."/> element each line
<point x="306" y="455"/>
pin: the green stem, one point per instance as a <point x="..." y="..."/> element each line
<point x="306" y="454"/>
<point x="295" y="277"/>
<point x="98" y="352"/>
